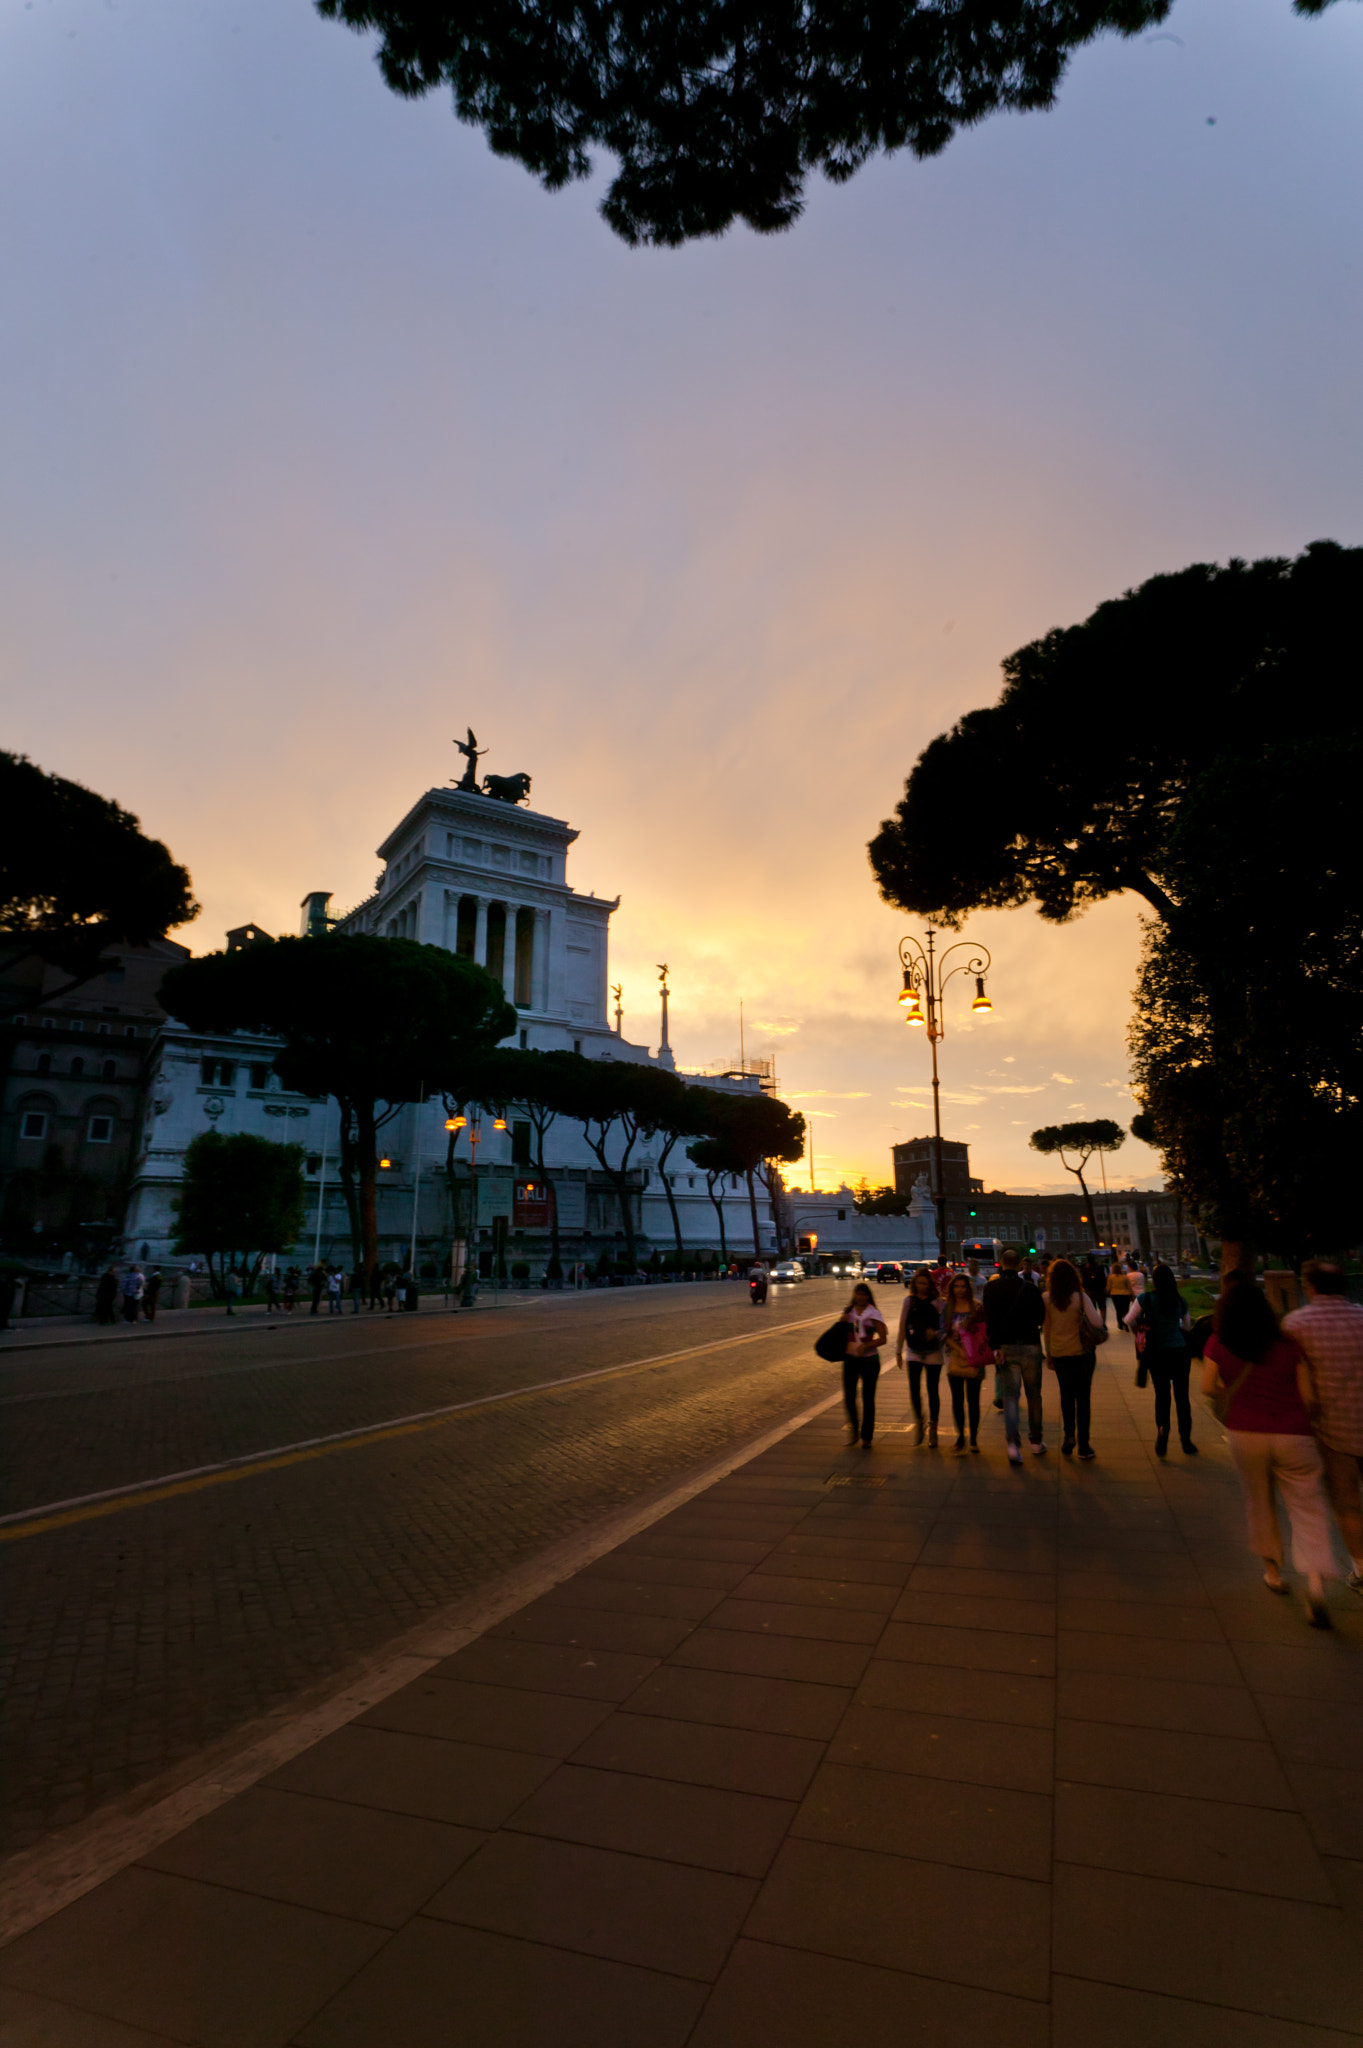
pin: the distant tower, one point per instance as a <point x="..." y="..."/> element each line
<point x="665" y="1058"/>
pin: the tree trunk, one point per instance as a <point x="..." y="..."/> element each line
<point x="1088" y="1204"/>
<point x="366" y="1147"/>
<point x="668" y="1190"/>
<point x="346" y="1169"/>
<point x="543" y="1173"/>
<point x="752" y="1204"/>
<point x="719" y="1211"/>
<point x="623" y="1191"/>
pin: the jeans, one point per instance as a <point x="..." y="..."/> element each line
<point x="867" y="1370"/>
<point x="334" y="1304"/>
<point x="1076" y="1381"/>
<point x="932" y="1368"/>
<point x="965" y="1397"/>
<point x="1168" y="1369"/>
<point x="1019" y="1366"/>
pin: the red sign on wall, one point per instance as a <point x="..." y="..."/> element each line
<point x="530" y="1205"/>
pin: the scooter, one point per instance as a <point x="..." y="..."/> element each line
<point x="757" y="1288"/>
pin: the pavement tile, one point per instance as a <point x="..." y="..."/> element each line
<point x="1147" y="1657"/>
<point x="29" y="2022"/>
<point x="818" y="1592"/>
<point x="1130" y="1565"/>
<point x="975" y="1649"/>
<point x="1328" y="1733"/>
<point x="957" y="1610"/>
<point x="945" y="1746"/>
<point x="637" y="1569"/>
<point x="662" y="1916"/>
<point x="1277" y="1956"/>
<point x="723" y="1550"/>
<point x="1142" y="1618"/>
<point x="871" y="1571"/>
<point x="195" y="1961"/>
<point x="698" y="1824"/>
<point x="358" y="1861"/>
<point x="698" y="1753"/>
<point x="436" y="1983"/>
<point x="1346" y="1877"/>
<point x="950" y="1689"/>
<point x="643" y="1635"/>
<point x="989" y="1583"/>
<point x="936" y="1820"/>
<point x="1254" y="1616"/>
<point x="1159" y="1589"/>
<point x="818" y="1663"/>
<point x="457" y="1782"/>
<point x="906" y="1914"/>
<point x="1318" y="1670"/>
<point x="832" y="1624"/>
<point x="1333" y="1804"/>
<point x="498" y="1716"/>
<point x="780" y="1996"/>
<point x="781" y="1706"/>
<point x="633" y="1596"/>
<point x="1168" y="1760"/>
<point x="1085" y="2014"/>
<point x="569" y="1669"/>
<point x="1200" y="1841"/>
<point x="1130" y="1700"/>
<point x="887" y="1549"/>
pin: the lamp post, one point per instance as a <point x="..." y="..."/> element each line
<point x="926" y="975"/>
<point x="454" y="1125"/>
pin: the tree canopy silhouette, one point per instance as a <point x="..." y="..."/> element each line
<point x="1099" y="1134"/>
<point x="716" y="112"/>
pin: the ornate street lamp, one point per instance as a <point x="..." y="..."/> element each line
<point x="926" y="975"/>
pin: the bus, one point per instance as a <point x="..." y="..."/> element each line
<point x="987" y="1250"/>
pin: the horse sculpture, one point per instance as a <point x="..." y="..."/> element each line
<point x="511" y="789"/>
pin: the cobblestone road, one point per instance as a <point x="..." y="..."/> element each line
<point x="130" y="1641"/>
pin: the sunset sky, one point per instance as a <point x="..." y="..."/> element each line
<point x="327" y="434"/>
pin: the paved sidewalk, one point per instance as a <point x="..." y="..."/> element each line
<point x="852" y="1747"/>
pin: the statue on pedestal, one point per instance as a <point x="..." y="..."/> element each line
<point x="472" y="754"/>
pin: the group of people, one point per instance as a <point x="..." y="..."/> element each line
<point x="373" y="1287"/>
<point x="137" y="1293"/>
<point x="1289" y="1396"/>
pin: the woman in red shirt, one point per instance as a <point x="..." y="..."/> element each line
<point x="1268" y="1428"/>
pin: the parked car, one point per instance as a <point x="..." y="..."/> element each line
<point x="788" y="1269"/>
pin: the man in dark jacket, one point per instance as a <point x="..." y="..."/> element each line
<point x="1013" y="1315"/>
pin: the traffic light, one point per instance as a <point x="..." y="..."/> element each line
<point x="973" y="1214"/>
<point x="1031" y="1251"/>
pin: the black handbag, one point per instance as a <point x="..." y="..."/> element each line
<point x="834" y="1342"/>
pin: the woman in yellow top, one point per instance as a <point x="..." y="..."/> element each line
<point x="1118" y="1291"/>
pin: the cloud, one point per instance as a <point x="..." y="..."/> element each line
<point x="1068" y="1079"/>
<point x="1009" y="1059"/>
<point x="776" y="1030"/>
<point x="1014" y="1088"/>
<point x="832" y="1094"/>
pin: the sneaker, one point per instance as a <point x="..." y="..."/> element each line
<point x="1189" y="1448"/>
<point x="959" y="1445"/>
<point x="1067" y="1448"/>
<point x="974" y="1447"/>
<point x="1087" y="1452"/>
<point x="1015" y="1454"/>
<point x="1038" y="1447"/>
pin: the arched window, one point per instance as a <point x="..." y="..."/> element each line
<point x="44" y="1063"/>
<point x="77" y="1067"/>
<point x="110" y="1071"/>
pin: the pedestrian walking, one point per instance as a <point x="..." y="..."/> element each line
<point x="941" y="1276"/>
<point x="1329" y="1329"/>
<point x="1261" y="1384"/>
<point x="151" y="1294"/>
<point x="232" y="1289"/>
<point x="106" y="1297"/>
<point x="390" y="1288"/>
<point x="1160" y="1321"/>
<point x="966" y="1344"/>
<point x="271" y="1290"/>
<point x="133" y="1288"/>
<point x="1013" y="1315"/>
<point x="861" y="1366"/>
<point x="1118" y="1290"/>
<point x="1069" y="1330"/>
<point x="376" y="1285"/>
<point x="919" y="1336"/>
<point x="357" y="1289"/>
<point x="318" y="1278"/>
<point x="334" y="1291"/>
<point x="290" y="1290"/>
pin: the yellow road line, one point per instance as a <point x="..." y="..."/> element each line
<point x="143" y="1493"/>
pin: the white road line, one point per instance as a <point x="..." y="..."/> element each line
<point x="340" y="1436"/>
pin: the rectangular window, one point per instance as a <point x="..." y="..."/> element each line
<point x="520" y="1144"/>
<point x="103" y="1029"/>
<point x="74" y="1024"/>
<point x="34" y="1124"/>
<point x="216" y="1073"/>
<point x="130" y="1031"/>
<point x="99" y="1130"/>
<point x="260" y="1075"/>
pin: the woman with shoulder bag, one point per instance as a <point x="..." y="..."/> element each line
<point x="1071" y="1328"/>
<point x="862" y="1363"/>
<point x="1160" y="1321"/>
<point x="1259" y="1387"/>
<point x="967" y="1354"/>
<point x="920" y="1334"/>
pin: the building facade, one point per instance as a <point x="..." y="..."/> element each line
<point x="487" y="879"/>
